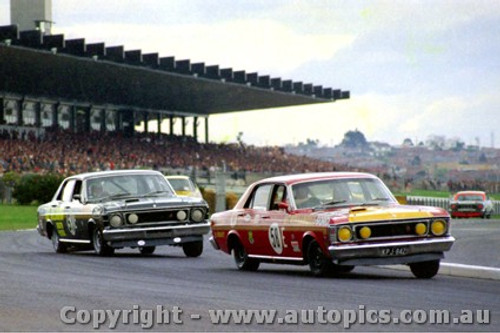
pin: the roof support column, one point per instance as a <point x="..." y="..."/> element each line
<point x="38" y="115"/>
<point x="2" y="107"/>
<point x="72" y="118"/>
<point x="206" y="129"/>
<point x="145" y="119"/>
<point x="183" y="119"/>
<point x="103" y="121"/>
<point x="171" y="124"/>
<point x="195" y="128"/>
<point x="87" y="127"/>
<point x="19" y="112"/>
<point x="159" y="120"/>
<point x="55" y="115"/>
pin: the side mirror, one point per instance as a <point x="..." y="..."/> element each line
<point x="283" y="205"/>
<point x="77" y="197"/>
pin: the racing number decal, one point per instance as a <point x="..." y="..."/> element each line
<point x="276" y="238"/>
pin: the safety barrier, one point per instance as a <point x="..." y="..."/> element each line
<point x="441" y="202"/>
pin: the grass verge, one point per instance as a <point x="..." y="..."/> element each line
<point x="14" y="217"/>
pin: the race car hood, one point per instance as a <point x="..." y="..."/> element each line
<point x="362" y="214"/>
<point x="141" y="203"/>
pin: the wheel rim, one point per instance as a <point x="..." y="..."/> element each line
<point x="97" y="241"/>
<point x="55" y="240"/>
<point x="239" y="255"/>
<point x="317" y="258"/>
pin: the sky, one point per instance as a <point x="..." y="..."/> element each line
<point x="414" y="69"/>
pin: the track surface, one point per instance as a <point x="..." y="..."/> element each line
<point x="36" y="284"/>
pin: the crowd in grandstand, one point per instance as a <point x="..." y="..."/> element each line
<point x="69" y="153"/>
<point x="66" y="153"/>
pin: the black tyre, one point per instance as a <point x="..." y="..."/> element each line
<point x="100" y="247"/>
<point x="147" y="249"/>
<point x="193" y="249"/>
<point x="425" y="269"/>
<point x="58" y="246"/>
<point x="243" y="262"/>
<point x="319" y="264"/>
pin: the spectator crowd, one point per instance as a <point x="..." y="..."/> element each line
<point x="64" y="152"/>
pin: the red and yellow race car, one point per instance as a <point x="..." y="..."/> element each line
<point x="471" y="204"/>
<point x="332" y="222"/>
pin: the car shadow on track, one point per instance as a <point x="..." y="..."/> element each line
<point x="360" y="273"/>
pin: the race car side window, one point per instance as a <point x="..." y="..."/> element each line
<point x="279" y="195"/>
<point x="260" y="197"/>
<point x="67" y="193"/>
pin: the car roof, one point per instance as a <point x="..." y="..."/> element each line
<point x="471" y="192"/>
<point x="177" y="177"/>
<point x="305" y="177"/>
<point x="95" y="174"/>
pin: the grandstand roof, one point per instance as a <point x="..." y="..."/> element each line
<point x="51" y="66"/>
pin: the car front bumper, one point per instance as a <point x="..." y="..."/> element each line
<point x="466" y="214"/>
<point x="400" y="252"/>
<point x="153" y="236"/>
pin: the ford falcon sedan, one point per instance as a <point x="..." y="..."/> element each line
<point x="471" y="204"/>
<point x="331" y="222"/>
<point x="110" y="210"/>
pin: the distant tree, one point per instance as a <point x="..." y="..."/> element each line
<point x="310" y="143"/>
<point x="354" y="139"/>
<point x="407" y="142"/>
<point x="459" y="146"/>
<point x="416" y="161"/>
<point x="482" y="158"/>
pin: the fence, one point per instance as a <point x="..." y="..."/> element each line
<point x="441" y="202"/>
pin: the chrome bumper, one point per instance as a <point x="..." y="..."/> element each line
<point x="152" y="236"/>
<point x="405" y="252"/>
<point x="214" y="243"/>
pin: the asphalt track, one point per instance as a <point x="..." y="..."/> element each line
<point x="38" y="285"/>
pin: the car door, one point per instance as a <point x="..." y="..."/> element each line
<point x="67" y="211"/>
<point x="261" y="224"/>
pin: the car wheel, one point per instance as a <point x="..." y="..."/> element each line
<point x="100" y="247"/>
<point x="147" y="249"/>
<point x="193" y="249"/>
<point x="319" y="264"/>
<point x="58" y="246"/>
<point x="243" y="262"/>
<point x="425" y="269"/>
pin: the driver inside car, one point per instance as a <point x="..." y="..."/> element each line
<point x="97" y="191"/>
<point x="304" y="198"/>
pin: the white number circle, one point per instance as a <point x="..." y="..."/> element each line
<point x="276" y="238"/>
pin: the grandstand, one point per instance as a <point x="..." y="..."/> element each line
<point x="49" y="81"/>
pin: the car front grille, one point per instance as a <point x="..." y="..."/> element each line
<point x="155" y="216"/>
<point x="390" y="230"/>
<point x="468" y="207"/>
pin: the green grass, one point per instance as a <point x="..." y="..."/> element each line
<point x="14" y="217"/>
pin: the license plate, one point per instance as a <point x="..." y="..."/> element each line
<point x="395" y="251"/>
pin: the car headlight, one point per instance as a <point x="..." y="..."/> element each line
<point x="365" y="232"/>
<point x="116" y="221"/>
<point x="344" y="234"/>
<point x="133" y="218"/>
<point x="181" y="215"/>
<point x="420" y="229"/>
<point x="97" y="211"/>
<point x="438" y="227"/>
<point x="197" y="215"/>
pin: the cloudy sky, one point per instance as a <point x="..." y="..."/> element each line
<point x="414" y="68"/>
